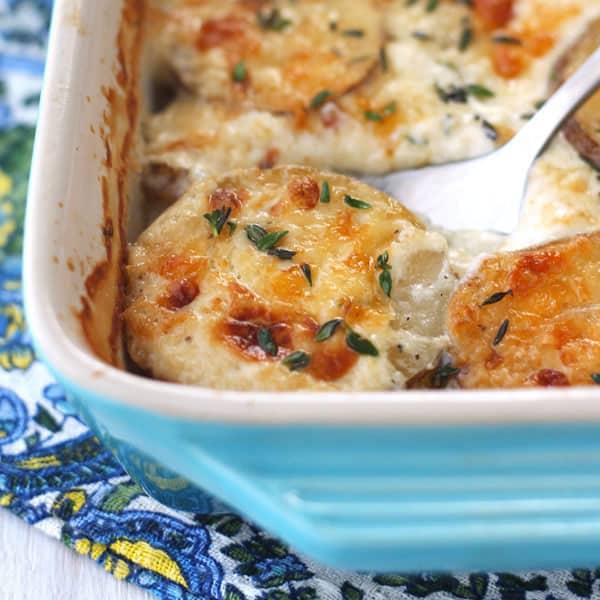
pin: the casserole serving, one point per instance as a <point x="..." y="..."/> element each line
<point x="371" y="480"/>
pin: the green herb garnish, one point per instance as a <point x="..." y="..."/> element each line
<point x="353" y="32"/>
<point x="319" y="99"/>
<point x="383" y="59"/>
<point x="596" y="378"/>
<point x="501" y="333"/>
<point x="270" y="240"/>
<point x="386" y="111"/>
<point x="442" y="375"/>
<point x="307" y="273"/>
<point x="432" y="5"/>
<point x="479" y="91"/>
<point x="372" y="116"/>
<point x="232" y="226"/>
<point x="466" y="37"/>
<point x="496" y="297"/>
<point x="385" y="277"/>
<point x="296" y="360"/>
<point x="265" y="241"/>
<point x="239" y="72"/>
<point x="327" y="330"/>
<point x="325" y="192"/>
<point x="360" y="344"/>
<point x="255" y="233"/>
<point x="273" y="20"/>
<point x="355" y="202"/>
<point x="421" y="35"/>
<point x="490" y="131"/>
<point x="452" y="94"/>
<point x="266" y="341"/>
<point x="217" y="219"/>
<point x="281" y="253"/>
<point x="506" y="39"/>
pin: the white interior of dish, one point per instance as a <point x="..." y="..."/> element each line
<point x="64" y="241"/>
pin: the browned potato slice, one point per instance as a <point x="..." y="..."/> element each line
<point x="276" y="55"/>
<point x="583" y="130"/>
<point x="541" y="323"/>
<point x="244" y="270"/>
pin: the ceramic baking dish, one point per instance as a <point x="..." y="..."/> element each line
<point x="379" y="481"/>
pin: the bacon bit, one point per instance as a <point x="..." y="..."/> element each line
<point x="509" y="61"/>
<point x="304" y="192"/>
<point x="330" y="115"/>
<point x="180" y="294"/>
<point x="550" y="377"/>
<point x="494" y="13"/>
<point x="215" y="32"/>
<point x="269" y="160"/>
<point x="224" y="197"/>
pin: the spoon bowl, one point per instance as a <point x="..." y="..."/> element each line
<point x="486" y="193"/>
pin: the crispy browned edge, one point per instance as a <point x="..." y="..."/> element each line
<point x="102" y="304"/>
<point x="588" y="148"/>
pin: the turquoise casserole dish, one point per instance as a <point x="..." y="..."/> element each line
<point x="390" y="481"/>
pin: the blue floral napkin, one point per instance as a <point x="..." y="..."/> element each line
<point x="57" y="477"/>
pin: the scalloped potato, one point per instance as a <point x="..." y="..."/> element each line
<point x="234" y="284"/>
<point x="219" y="304"/>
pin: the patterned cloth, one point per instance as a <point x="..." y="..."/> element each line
<point x="56" y="476"/>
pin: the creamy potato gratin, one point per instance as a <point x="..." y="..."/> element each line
<point x="257" y="274"/>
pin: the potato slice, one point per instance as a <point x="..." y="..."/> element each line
<point x="277" y="55"/>
<point x="583" y="130"/>
<point x="541" y="323"/>
<point x="201" y="297"/>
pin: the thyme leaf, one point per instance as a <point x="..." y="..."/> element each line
<point x="239" y="72"/>
<point x="270" y="240"/>
<point x="296" y="360"/>
<point x="360" y="344"/>
<point x="307" y="273"/>
<point x="501" y="332"/>
<point x="266" y="341"/>
<point x="319" y="99"/>
<point x="325" y="192"/>
<point x="356" y="203"/>
<point x="327" y="330"/>
<point x="273" y="20"/>
<point x="496" y="297"/>
<point x="217" y="219"/>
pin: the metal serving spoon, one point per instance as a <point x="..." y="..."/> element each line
<point x="486" y="193"/>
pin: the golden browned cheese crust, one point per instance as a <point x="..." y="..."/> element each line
<point x="541" y="323"/>
<point x="200" y="303"/>
<point x="274" y="56"/>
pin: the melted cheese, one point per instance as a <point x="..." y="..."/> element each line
<point x="412" y="87"/>
<point x="197" y="301"/>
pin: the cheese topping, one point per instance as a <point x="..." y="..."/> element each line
<point x="247" y="269"/>
<point x="364" y="86"/>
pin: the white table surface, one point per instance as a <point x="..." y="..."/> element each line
<point x="36" y="567"/>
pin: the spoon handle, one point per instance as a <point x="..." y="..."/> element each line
<point x="534" y="136"/>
